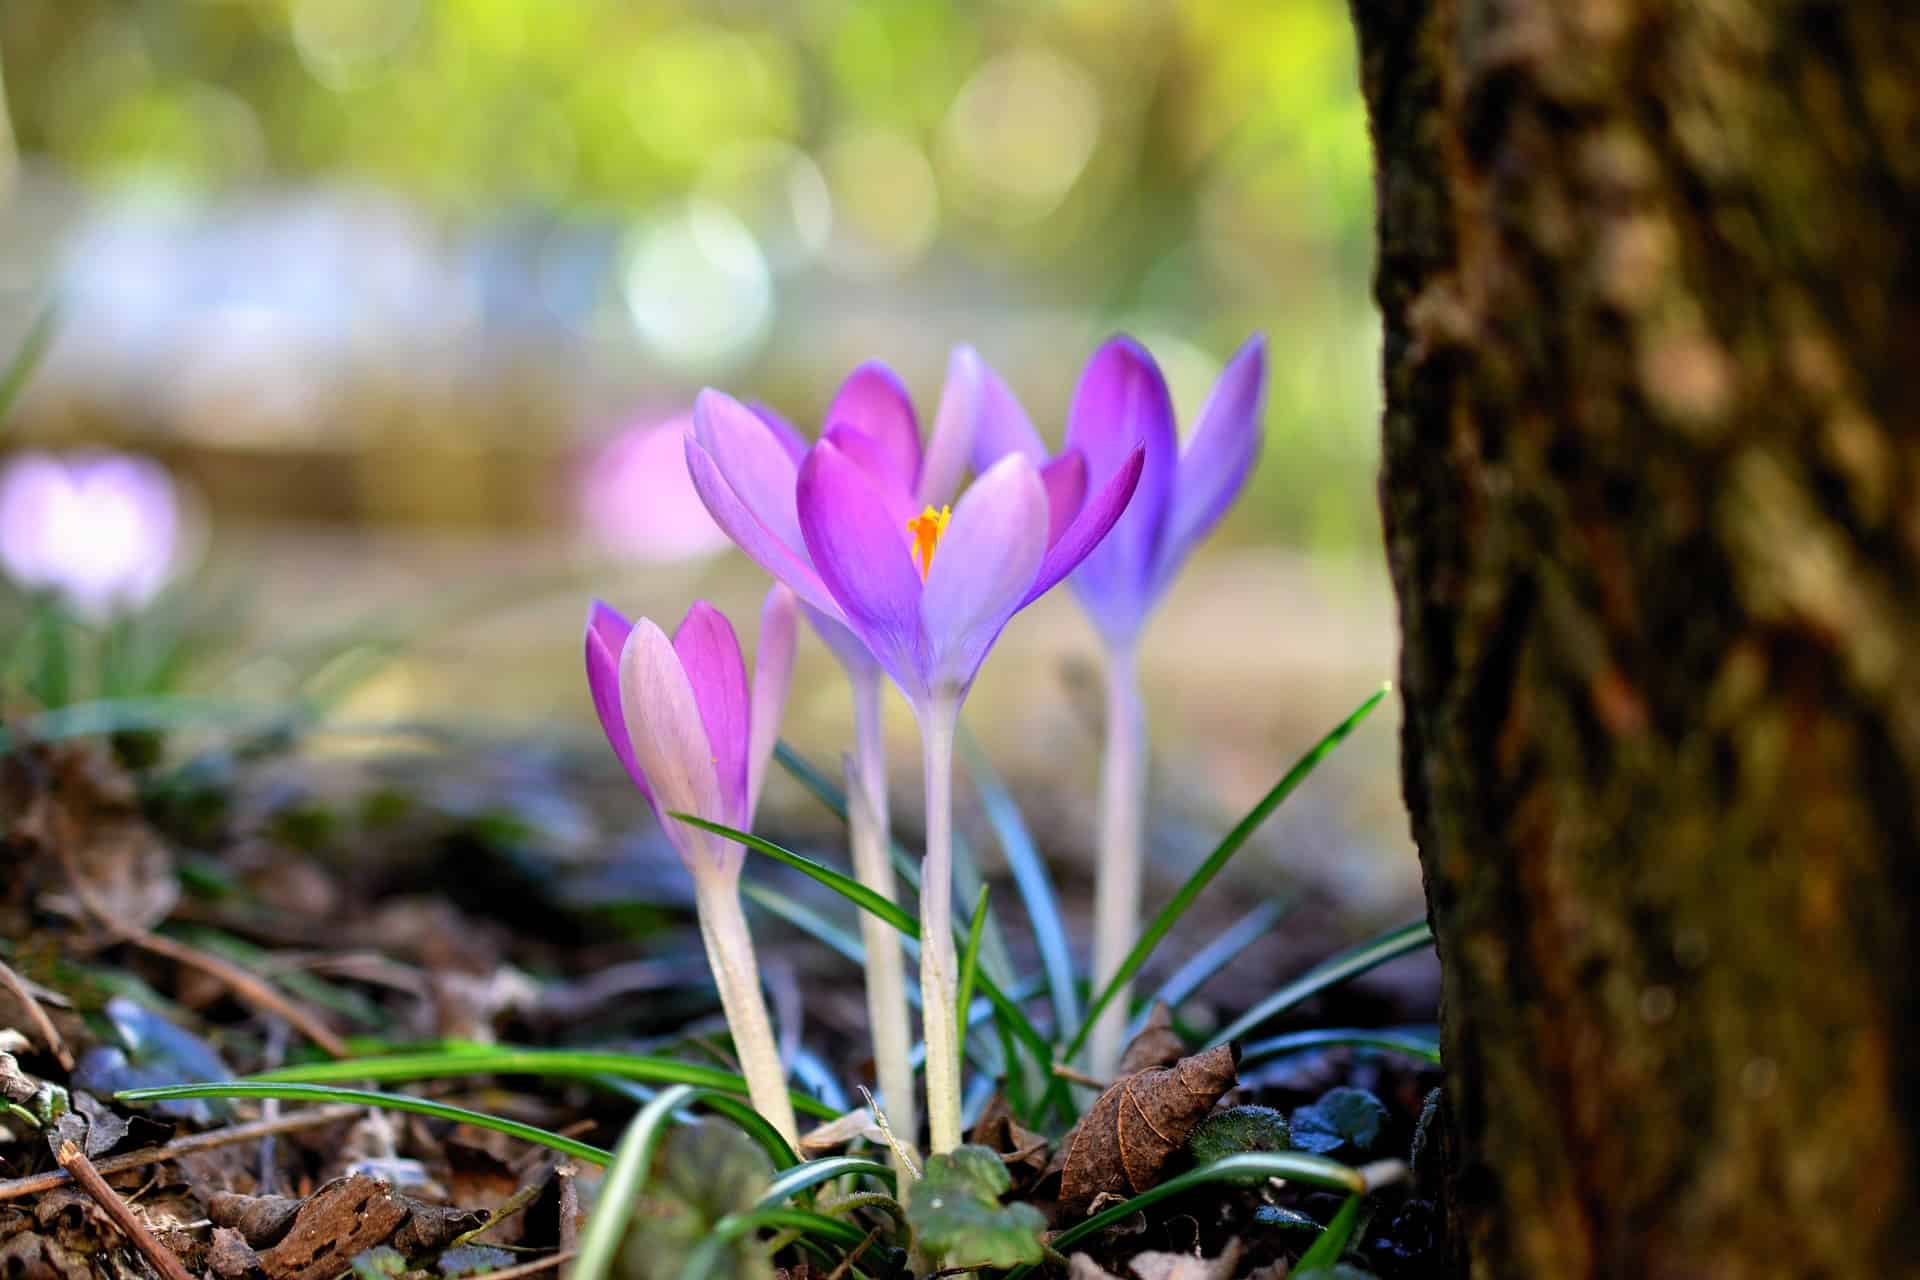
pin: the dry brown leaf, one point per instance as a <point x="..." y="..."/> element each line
<point x="230" y="1256"/>
<point x="1024" y="1152"/>
<point x="1185" y="1266"/>
<point x="1128" y="1135"/>
<point x="345" y="1217"/>
<point x="1157" y="1045"/>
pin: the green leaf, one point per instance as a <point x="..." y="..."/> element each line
<point x="1170" y="914"/>
<point x="632" y="1157"/>
<point x="811" y="1173"/>
<point x="382" y="1262"/>
<point x="1414" y="1044"/>
<point x="27" y="357"/>
<point x="957" y="1216"/>
<point x="867" y="900"/>
<point x="1300" y="1167"/>
<point x="970" y="963"/>
<point x="1323" y="1258"/>
<point x="561" y="1063"/>
<point x="1329" y="973"/>
<point x="368" y="1098"/>
<point x="1285" y="1219"/>
<point x="1238" y="1130"/>
<point x="701" y="1175"/>
<point x="1030" y="877"/>
<point x="1341" y="1117"/>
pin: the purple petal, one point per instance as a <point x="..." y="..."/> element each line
<point x="1001" y="426"/>
<point x="1217" y="458"/>
<point x="1096" y="518"/>
<point x="772" y="673"/>
<point x="790" y="437"/>
<point x="983" y="568"/>
<point x="870" y="456"/>
<point x="636" y="499"/>
<point x="861" y="554"/>
<point x="1121" y="404"/>
<point x="872" y="400"/>
<point x="709" y="653"/>
<point x="607" y="634"/>
<point x="788" y="564"/>
<point x="1066" y="480"/>
<point x="954" y="426"/>
<point x="753" y="460"/>
<point x="669" y="741"/>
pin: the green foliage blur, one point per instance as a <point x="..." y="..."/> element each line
<point x="1026" y="176"/>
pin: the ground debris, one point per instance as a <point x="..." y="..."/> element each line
<point x="346" y="1216"/>
<point x="1132" y="1130"/>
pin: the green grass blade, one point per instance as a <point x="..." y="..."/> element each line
<point x="368" y="1098"/>
<point x="970" y="963"/>
<point x="704" y="1259"/>
<point x="27" y="357"/>
<point x="738" y="1110"/>
<point x="1297" y="1165"/>
<point x="1328" y="973"/>
<point x="1030" y="877"/>
<point x="830" y="794"/>
<point x="1391" y="1041"/>
<point x="1170" y="914"/>
<point x="1211" y="959"/>
<point x="626" y="1175"/>
<point x="812" y="1173"/>
<point x="563" y="1063"/>
<point x="866" y="899"/>
<point x="1331" y="1243"/>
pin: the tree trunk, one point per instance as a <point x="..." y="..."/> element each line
<point x="1650" y="272"/>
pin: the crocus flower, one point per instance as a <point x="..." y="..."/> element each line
<point x="696" y="739"/>
<point x="1122" y="406"/>
<point x="99" y="531"/>
<point x="864" y="528"/>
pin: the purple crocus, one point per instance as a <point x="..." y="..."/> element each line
<point x="861" y="526"/>
<point x="99" y="531"/>
<point x="696" y="738"/>
<point x="1121" y="408"/>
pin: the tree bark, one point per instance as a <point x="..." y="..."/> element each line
<point x="1650" y="273"/>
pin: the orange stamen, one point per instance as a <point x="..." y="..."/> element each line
<point x="926" y="530"/>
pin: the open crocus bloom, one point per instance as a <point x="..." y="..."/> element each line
<point x="99" y="530"/>
<point x="682" y="720"/>
<point x="1120" y="408"/>
<point x="864" y="529"/>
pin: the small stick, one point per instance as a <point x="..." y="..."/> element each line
<point x="531" y="1268"/>
<point x="243" y="984"/>
<point x="81" y="1170"/>
<point x="34" y="1184"/>
<point x="846" y="1263"/>
<point x="569" y="1208"/>
<point x="41" y="1022"/>
<point x="1077" y="1076"/>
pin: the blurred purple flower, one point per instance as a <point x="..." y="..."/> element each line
<point x="1121" y="407"/>
<point x="98" y="530"/>
<point x="679" y="715"/>
<point x="636" y="499"/>
<point x="852" y="526"/>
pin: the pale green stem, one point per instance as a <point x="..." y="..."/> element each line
<point x="939" y="965"/>
<point x="1123" y="803"/>
<point x="887" y="1010"/>
<point x="723" y="928"/>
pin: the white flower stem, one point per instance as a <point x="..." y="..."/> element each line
<point x="1123" y="803"/>
<point x="939" y="965"/>
<point x="723" y="928"/>
<point x="887" y="1013"/>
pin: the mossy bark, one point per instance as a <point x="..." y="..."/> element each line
<point x="1650" y="272"/>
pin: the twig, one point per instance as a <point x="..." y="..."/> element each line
<point x="243" y="984"/>
<point x="1066" y="1072"/>
<point x="36" y="1183"/>
<point x="846" y="1263"/>
<point x="81" y="1170"/>
<point x="901" y="1152"/>
<point x="38" y="1016"/>
<point x="531" y="1268"/>
<point x="569" y="1208"/>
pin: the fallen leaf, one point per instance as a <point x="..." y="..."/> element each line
<point x="1157" y="1045"/>
<point x="230" y="1256"/>
<point x="1185" y="1266"/>
<point x="1024" y="1152"/>
<point x="1126" y="1138"/>
<point x="1081" y="1267"/>
<point x="345" y="1217"/>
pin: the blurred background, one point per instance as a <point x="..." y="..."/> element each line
<point x="396" y="291"/>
